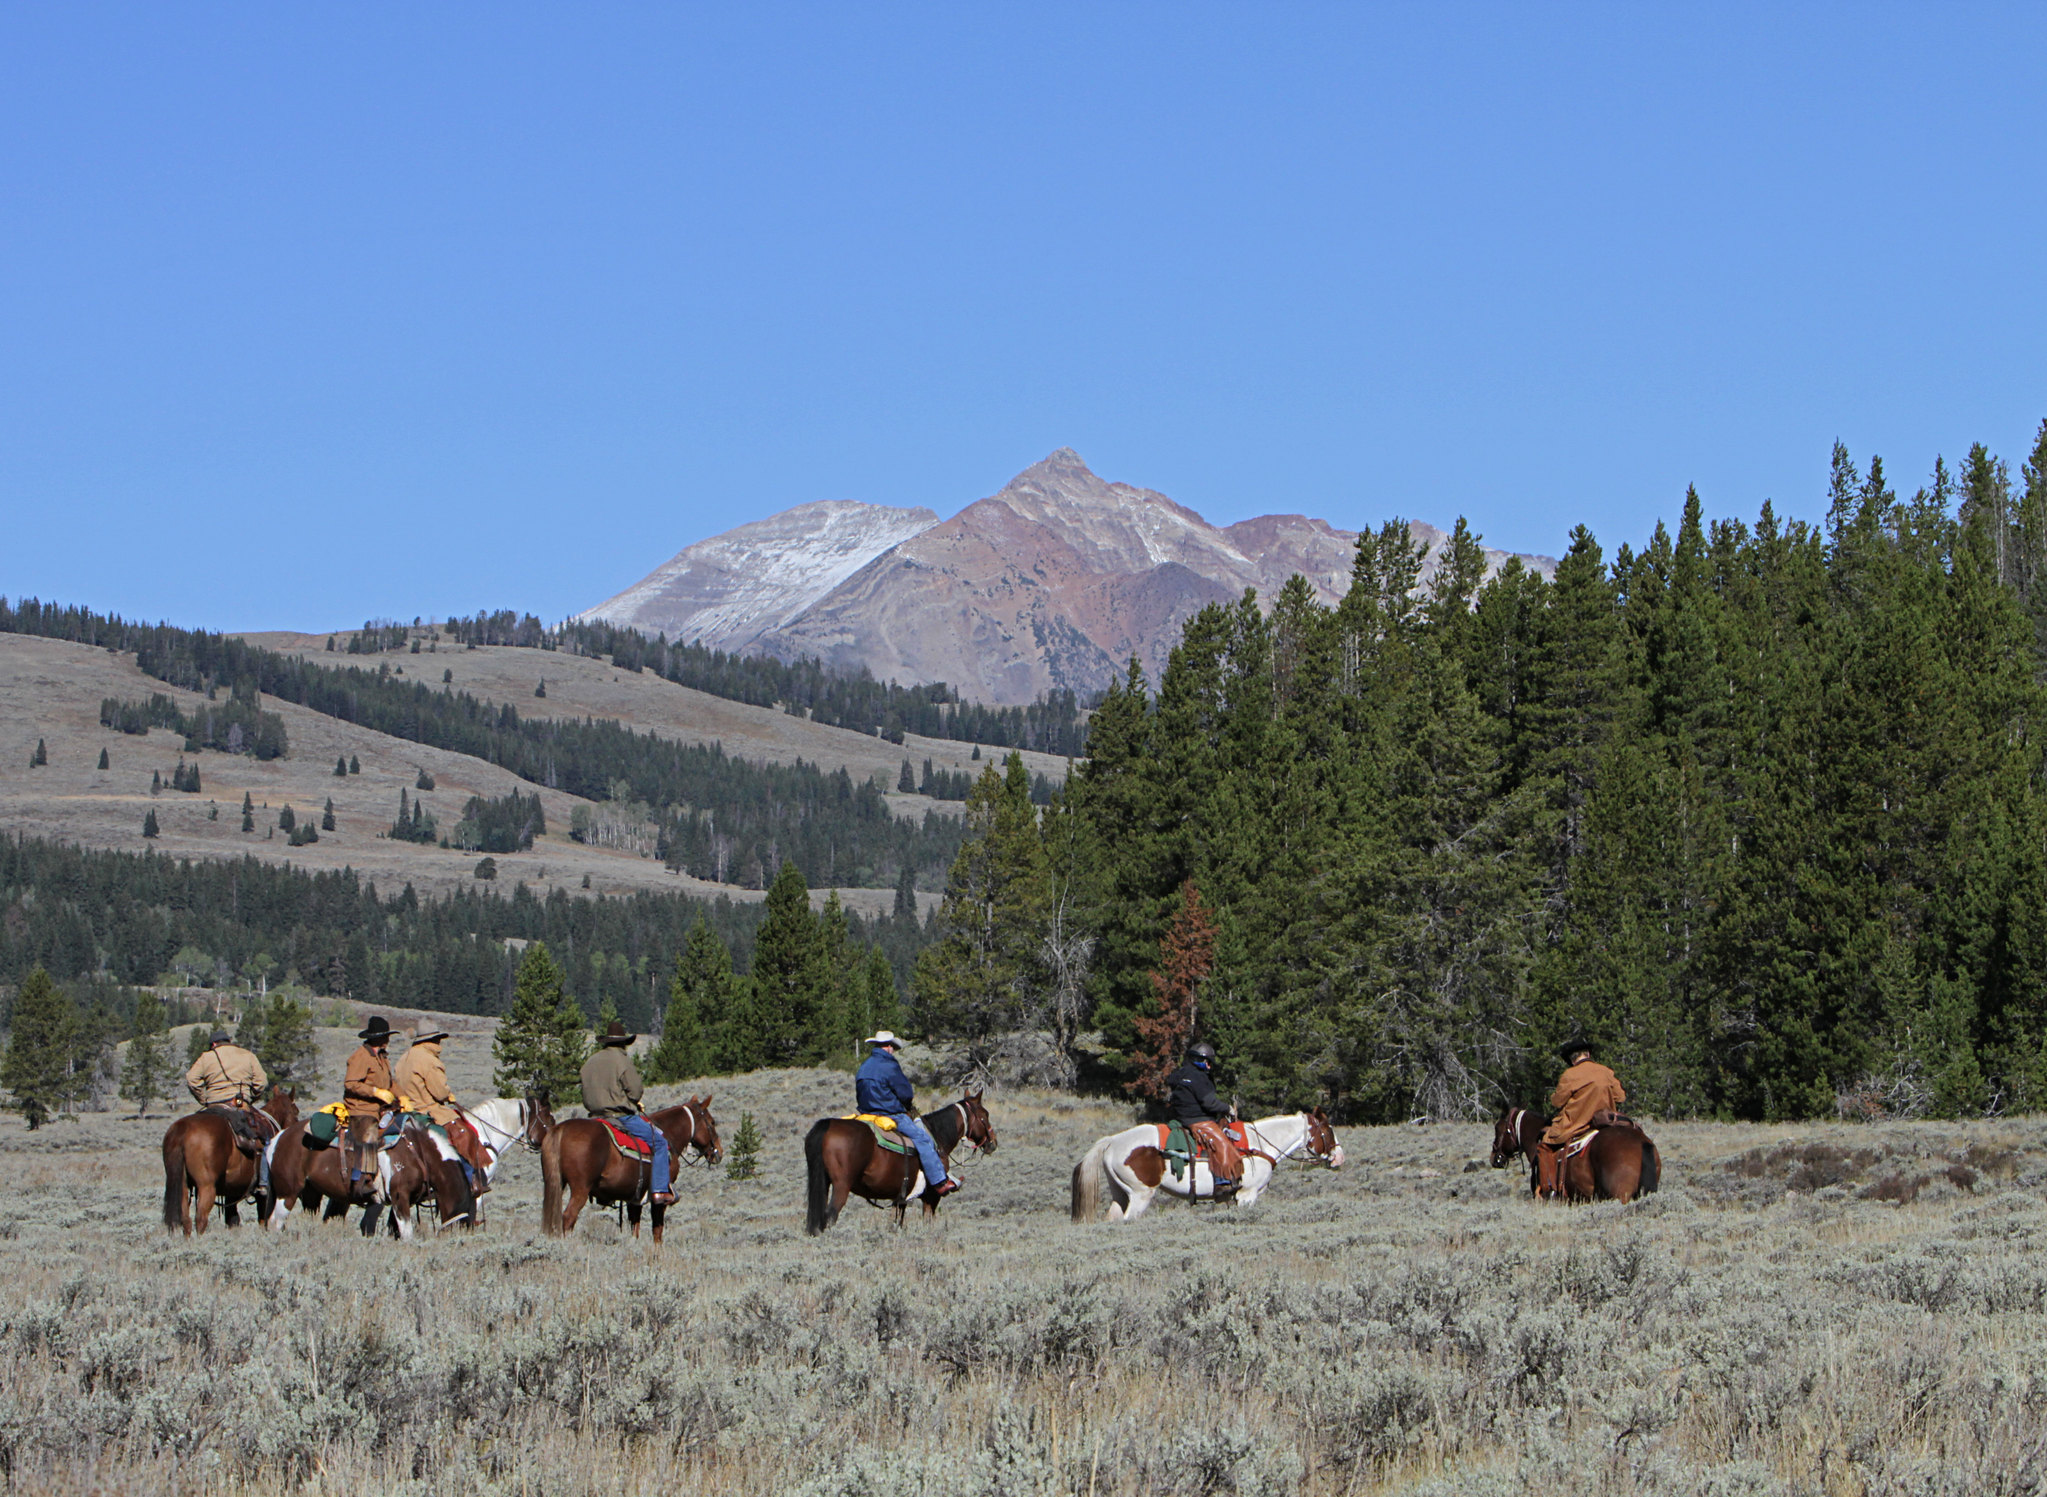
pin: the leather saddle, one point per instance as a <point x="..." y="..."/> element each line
<point x="250" y="1128"/>
<point x="1221" y="1146"/>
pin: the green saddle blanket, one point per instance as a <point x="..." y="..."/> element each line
<point x="891" y="1139"/>
<point x="1180" y="1149"/>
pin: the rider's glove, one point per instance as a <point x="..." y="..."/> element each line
<point x="382" y="1096"/>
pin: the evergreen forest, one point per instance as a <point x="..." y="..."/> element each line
<point x="1757" y="809"/>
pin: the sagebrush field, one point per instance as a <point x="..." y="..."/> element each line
<point x="1833" y="1309"/>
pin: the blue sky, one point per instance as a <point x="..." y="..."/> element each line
<point x="314" y="314"/>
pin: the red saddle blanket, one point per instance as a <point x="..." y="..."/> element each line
<point x="629" y="1146"/>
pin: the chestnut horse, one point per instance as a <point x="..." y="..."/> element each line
<point x="579" y="1156"/>
<point x="200" y="1161"/>
<point x="845" y="1160"/>
<point x="419" y="1167"/>
<point x="1619" y="1164"/>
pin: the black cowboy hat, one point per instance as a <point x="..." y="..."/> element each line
<point x="378" y="1032"/>
<point x="221" y="1037"/>
<point x="1573" y="1047"/>
<point x="616" y="1035"/>
<point x="430" y="1037"/>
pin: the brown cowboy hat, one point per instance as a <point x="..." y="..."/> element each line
<point x="378" y="1031"/>
<point x="616" y="1035"/>
<point x="431" y="1037"/>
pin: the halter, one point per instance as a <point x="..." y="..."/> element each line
<point x="1514" y="1127"/>
<point x="683" y="1154"/>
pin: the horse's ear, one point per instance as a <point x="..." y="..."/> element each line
<point x="973" y="1096"/>
<point x="707" y="1100"/>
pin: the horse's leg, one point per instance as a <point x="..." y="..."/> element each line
<point x="202" y="1200"/>
<point x="656" y="1214"/>
<point x="579" y="1195"/>
<point x="231" y="1211"/>
<point x="632" y="1214"/>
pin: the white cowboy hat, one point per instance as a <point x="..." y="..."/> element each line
<point x="884" y="1037"/>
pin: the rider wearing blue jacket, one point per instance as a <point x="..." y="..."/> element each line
<point x="880" y="1087"/>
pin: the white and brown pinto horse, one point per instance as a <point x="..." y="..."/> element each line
<point x="1129" y="1168"/>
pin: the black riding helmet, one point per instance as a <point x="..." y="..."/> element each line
<point x="1201" y="1050"/>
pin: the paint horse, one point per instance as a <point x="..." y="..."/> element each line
<point x="844" y="1159"/>
<point x="202" y="1165"/>
<point x="505" y="1123"/>
<point x="580" y="1158"/>
<point x="1129" y="1169"/>
<point x="1615" y="1162"/>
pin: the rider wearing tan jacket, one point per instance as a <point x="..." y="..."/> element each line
<point x="422" y="1080"/>
<point x="366" y="1088"/>
<point x="226" y="1073"/>
<point x="1586" y="1088"/>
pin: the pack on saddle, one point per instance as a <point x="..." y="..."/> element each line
<point x="1203" y="1127"/>
<point x="226" y="1081"/>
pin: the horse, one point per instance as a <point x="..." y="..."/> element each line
<point x="316" y="1178"/>
<point x="1620" y="1163"/>
<point x="844" y="1159"/>
<point x="578" y="1156"/>
<point x="1130" y="1168"/>
<point x="504" y="1122"/>
<point x="200" y="1160"/>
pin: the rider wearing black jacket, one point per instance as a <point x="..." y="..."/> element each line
<point x="1191" y="1095"/>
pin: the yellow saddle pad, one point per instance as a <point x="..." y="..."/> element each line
<point x="872" y="1120"/>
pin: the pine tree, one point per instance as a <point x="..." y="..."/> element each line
<point x="327" y="816"/>
<point x="155" y="783"/>
<point x="284" y="1043"/>
<point x="424" y="782"/>
<point x="881" y="1003"/>
<point x="697" y="995"/>
<point x="354" y="765"/>
<point x="340" y="766"/>
<point x="985" y="975"/>
<point x="542" y="1042"/>
<point x="41" y="756"/>
<point x="149" y="826"/>
<point x="741" y="1034"/>
<point x="104" y="762"/>
<point x="541" y="689"/>
<point x="37" y="1066"/>
<point x="906" y="782"/>
<point x="832" y="981"/>
<point x="287" y="819"/>
<point x="1186" y="955"/>
<point x="196" y="1044"/>
<point x="744" y="1161"/>
<point x="148" y="1068"/>
<point x="785" y="970"/>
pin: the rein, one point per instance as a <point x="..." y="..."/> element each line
<point x="478" y="1121"/>
<point x="682" y="1155"/>
<point x="1280" y="1156"/>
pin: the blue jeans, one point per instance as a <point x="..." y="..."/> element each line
<point x="927" y="1151"/>
<point x="646" y="1132"/>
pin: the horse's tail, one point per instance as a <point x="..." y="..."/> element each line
<point x="174" y="1179"/>
<point x="1652" y="1167"/>
<point x="820" y="1181"/>
<point x="1087" y="1182"/>
<point x="551" y="1183"/>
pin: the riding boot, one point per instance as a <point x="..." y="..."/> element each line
<point x="1548" y="1158"/>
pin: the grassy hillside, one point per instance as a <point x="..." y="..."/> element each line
<point x="1780" y="1319"/>
<point x="51" y="691"/>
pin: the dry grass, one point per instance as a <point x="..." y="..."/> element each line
<point x="1410" y="1325"/>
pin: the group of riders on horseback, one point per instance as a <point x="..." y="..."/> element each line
<point x="630" y="1158"/>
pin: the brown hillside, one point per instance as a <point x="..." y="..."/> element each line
<point x="52" y="690"/>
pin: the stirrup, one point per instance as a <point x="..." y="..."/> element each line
<point x="944" y="1188"/>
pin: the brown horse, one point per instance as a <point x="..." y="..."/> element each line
<point x="579" y="1156"/>
<point x="413" y="1170"/>
<point x="844" y="1159"/>
<point x="201" y="1165"/>
<point x="1619" y="1164"/>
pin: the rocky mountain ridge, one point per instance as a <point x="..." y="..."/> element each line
<point x="1052" y="583"/>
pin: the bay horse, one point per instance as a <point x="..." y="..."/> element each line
<point x="579" y="1157"/>
<point x="419" y="1167"/>
<point x="844" y="1159"/>
<point x="201" y="1165"/>
<point x="1621" y="1163"/>
<point x="1129" y="1169"/>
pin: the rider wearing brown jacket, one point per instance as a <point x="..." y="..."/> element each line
<point x="366" y="1088"/>
<point x="1585" y="1089"/>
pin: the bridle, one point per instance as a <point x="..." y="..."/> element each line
<point x="703" y="1155"/>
<point x="478" y="1121"/>
<point x="1279" y="1156"/>
<point x="1512" y="1122"/>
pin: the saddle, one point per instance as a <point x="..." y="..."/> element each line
<point x="886" y="1133"/>
<point x="636" y="1150"/>
<point x="1220" y="1146"/>
<point x="250" y="1136"/>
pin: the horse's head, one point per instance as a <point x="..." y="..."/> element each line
<point x="704" y="1130"/>
<point x="979" y="1131"/>
<point x="283" y="1106"/>
<point x="1321" y="1144"/>
<point x="1506" y="1137"/>
<point x="538" y="1119"/>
